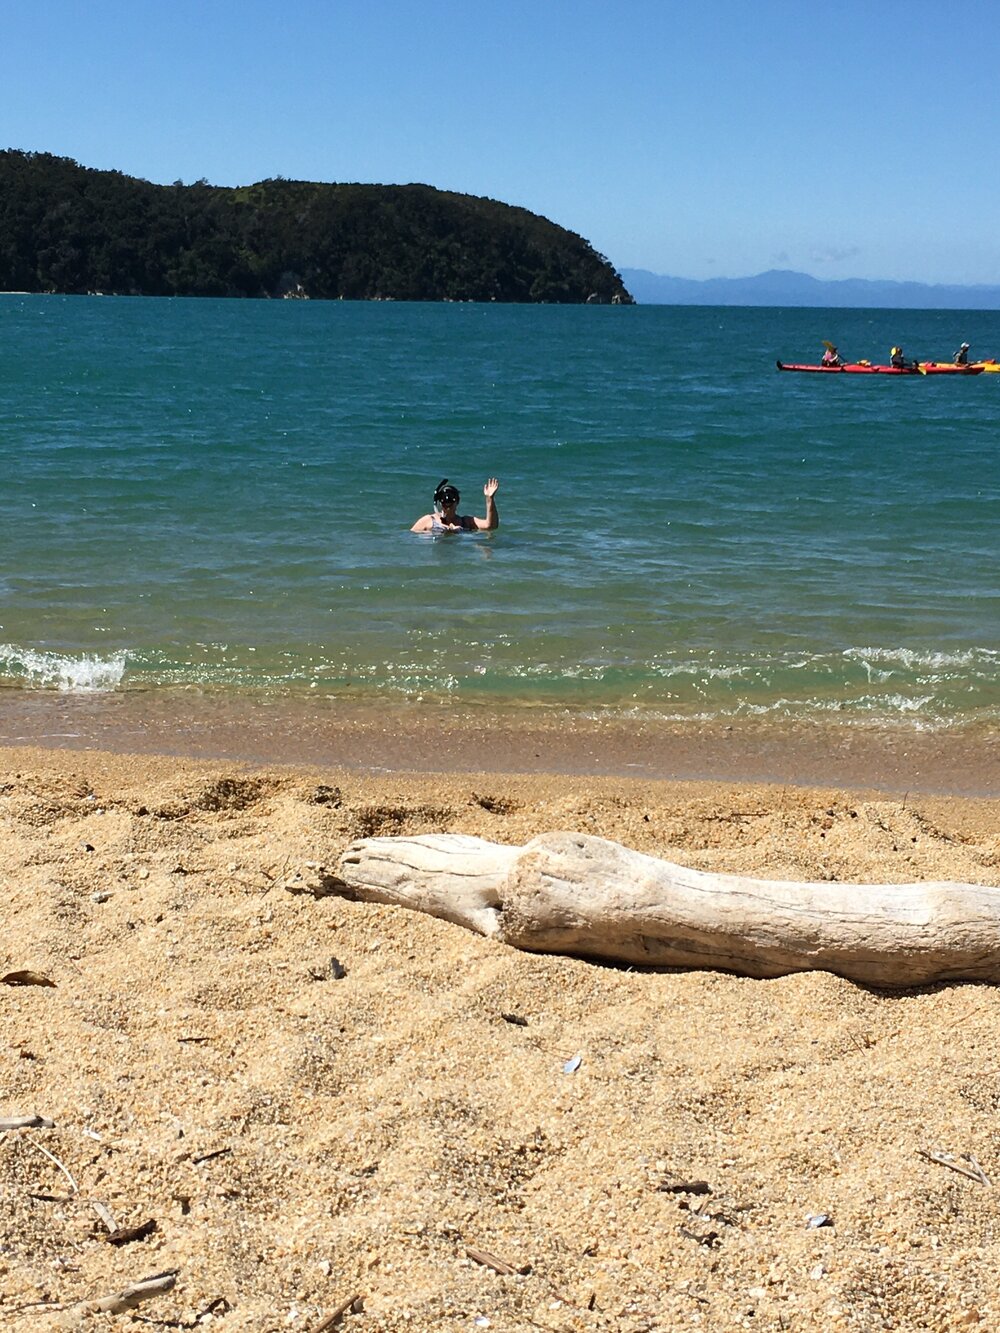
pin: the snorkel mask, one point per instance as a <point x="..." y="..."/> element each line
<point x="445" y="495"/>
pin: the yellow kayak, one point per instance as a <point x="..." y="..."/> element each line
<point x="949" y="368"/>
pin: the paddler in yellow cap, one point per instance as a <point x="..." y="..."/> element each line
<point x="897" y="359"/>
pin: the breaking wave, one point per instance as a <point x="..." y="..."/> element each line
<point x="83" y="673"/>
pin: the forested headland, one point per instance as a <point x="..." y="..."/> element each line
<point x="68" y="228"/>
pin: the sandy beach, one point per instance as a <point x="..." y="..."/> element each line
<point x="315" y="1100"/>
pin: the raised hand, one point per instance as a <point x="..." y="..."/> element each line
<point x="491" y="488"/>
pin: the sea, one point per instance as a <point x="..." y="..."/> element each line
<point x="215" y="496"/>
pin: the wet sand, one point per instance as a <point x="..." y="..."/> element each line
<point x="728" y="1153"/>
<point x="450" y="739"/>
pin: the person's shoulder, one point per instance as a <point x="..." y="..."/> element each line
<point x="423" y="524"/>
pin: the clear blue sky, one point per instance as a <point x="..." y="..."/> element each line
<point x="706" y="138"/>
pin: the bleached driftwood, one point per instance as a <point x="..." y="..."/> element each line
<point x="574" y="894"/>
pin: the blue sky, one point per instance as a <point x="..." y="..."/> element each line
<point x="844" y="140"/>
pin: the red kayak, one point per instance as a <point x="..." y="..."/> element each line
<point x="852" y="368"/>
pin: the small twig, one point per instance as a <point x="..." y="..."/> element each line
<point x="37" y="1307"/>
<point x="144" y="1290"/>
<point x="207" y="1157"/>
<point x="968" y="1157"/>
<point x="215" y="1306"/>
<point x="336" y="1315"/>
<point x="52" y="1158"/>
<point x="501" y="1266"/>
<point x="974" y="1172"/>
<point x="26" y="1122"/>
<point x="276" y="876"/>
<point x="105" y="1214"/>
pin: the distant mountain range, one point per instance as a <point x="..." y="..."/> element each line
<point x="783" y="287"/>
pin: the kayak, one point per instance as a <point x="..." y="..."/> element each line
<point x="949" y="368"/>
<point x="852" y="368"/>
<point x="821" y="370"/>
<point x="988" y="366"/>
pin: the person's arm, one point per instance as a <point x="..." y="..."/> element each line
<point x="424" y="524"/>
<point x="492" y="519"/>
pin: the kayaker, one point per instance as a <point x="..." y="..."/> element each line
<point x="961" y="357"/>
<point x="897" y="359"/>
<point x="831" y="357"/>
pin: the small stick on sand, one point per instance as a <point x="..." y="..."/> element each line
<point x="500" y="1266"/>
<point x="974" y="1171"/>
<point x="52" y="1158"/>
<point x="26" y="1122"/>
<point x="336" y="1315"/>
<point x="131" y="1297"/>
<point x="37" y="1307"/>
<point x="276" y="875"/>
<point x="976" y="1167"/>
<point x="208" y="1156"/>
<point x="105" y="1214"/>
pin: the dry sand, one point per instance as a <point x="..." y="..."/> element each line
<point x="300" y="1138"/>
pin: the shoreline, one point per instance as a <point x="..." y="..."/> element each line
<point x="422" y="738"/>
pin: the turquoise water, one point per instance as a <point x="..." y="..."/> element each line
<point x="218" y="494"/>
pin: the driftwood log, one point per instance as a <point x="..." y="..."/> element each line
<point x="571" y="893"/>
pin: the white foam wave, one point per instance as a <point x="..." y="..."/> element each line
<point x="911" y="659"/>
<point x="86" y="673"/>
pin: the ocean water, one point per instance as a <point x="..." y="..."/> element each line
<point x="216" y="495"/>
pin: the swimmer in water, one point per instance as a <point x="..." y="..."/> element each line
<point x="446" y="517"/>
